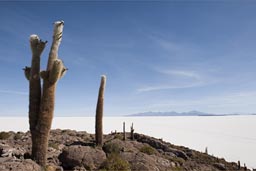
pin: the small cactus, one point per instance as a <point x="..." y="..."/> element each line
<point x="132" y="132"/>
<point x="124" y="134"/>
<point x="99" y="113"/>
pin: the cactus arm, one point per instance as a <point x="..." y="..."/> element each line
<point x="37" y="45"/>
<point x="27" y="72"/>
<point x="63" y="72"/>
<point x="99" y="113"/>
<point x="56" y="71"/>
<point x="44" y="75"/>
<point x="57" y="37"/>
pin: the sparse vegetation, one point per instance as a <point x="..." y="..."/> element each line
<point x="4" y="135"/>
<point x="178" y="160"/>
<point x="112" y="148"/>
<point x="118" y="136"/>
<point x="115" y="163"/>
<point x="147" y="150"/>
<point x="17" y="136"/>
<point x="177" y="169"/>
<point x="53" y="145"/>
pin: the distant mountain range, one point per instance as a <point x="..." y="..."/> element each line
<point x="173" y="113"/>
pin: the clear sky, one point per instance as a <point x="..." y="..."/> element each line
<point x="158" y="56"/>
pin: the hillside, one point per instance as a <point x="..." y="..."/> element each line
<point x="76" y="151"/>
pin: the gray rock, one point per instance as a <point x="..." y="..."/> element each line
<point x="169" y="154"/>
<point x="7" y="151"/>
<point x="79" y="169"/>
<point x="158" y="144"/>
<point x="5" y="159"/>
<point x="26" y="165"/>
<point x="178" y="153"/>
<point x="172" y="164"/>
<point x="82" y="156"/>
<point x="142" y="161"/>
<point x="117" y="146"/>
<point x="219" y="166"/>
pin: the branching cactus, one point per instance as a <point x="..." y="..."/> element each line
<point x="41" y="105"/>
<point x="99" y="113"/>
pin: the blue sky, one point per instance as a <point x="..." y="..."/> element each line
<point x="158" y="56"/>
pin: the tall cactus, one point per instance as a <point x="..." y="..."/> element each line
<point x="99" y="113"/>
<point x="41" y="105"/>
<point x="124" y="133"/>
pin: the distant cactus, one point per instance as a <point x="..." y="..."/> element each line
<point x="245" y="167"/>
<point x="132" y="132"/>
<point x="124" y="133"/>
<point x="41" y="106"/>
<point x="99" y="113"/>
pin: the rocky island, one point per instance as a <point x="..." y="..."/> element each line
<point x="70" y="150"/>
<point x="43" y="149"/>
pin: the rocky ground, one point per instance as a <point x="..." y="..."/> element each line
<point x="76" y="151"/>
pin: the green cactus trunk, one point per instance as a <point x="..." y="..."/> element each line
<point x="41" y="107"/>
<point x="99" y="113"/>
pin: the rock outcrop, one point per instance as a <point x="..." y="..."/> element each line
<point x="70" y="150"/>
<point x="82" y="156"/>
<point x="19" y="165"/>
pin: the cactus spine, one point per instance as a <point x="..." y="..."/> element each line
<point x="99" y="113"/>
<point x="41" y="105"/>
